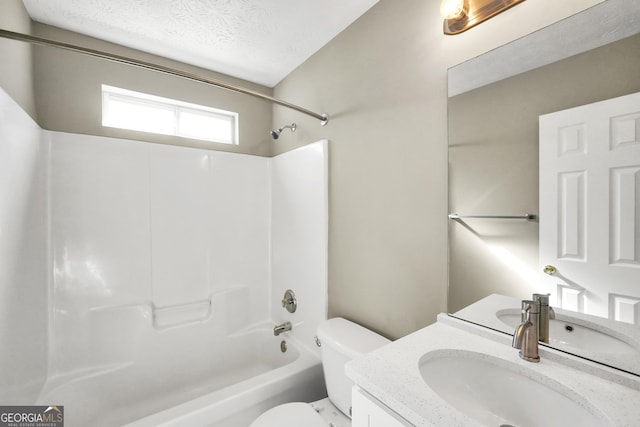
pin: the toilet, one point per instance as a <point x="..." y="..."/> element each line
<point x="341" y="341"/>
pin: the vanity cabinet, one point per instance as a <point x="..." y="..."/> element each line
<point x="367" y="411"/>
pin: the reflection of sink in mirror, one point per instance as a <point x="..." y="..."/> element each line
<point x="496" y="392"/>
<point x="599" y="339"/>
<point x="565" y="333"/>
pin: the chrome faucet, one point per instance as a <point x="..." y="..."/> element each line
<point x="278" y="329"/>
<point x="546" y="314"/>
<point x="525" y="338"/>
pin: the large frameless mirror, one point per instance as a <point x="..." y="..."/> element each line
<point x="494" y="138"/>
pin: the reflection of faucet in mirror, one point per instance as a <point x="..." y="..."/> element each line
<point x="525" y="338"/>
<point x="546" y="314"/>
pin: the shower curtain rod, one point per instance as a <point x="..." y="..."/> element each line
<point x="324" y="118"/>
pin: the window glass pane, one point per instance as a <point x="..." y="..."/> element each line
<point x="205" y="126"/>
<point x="125" y="109"/>
<point x="125" y="114"/>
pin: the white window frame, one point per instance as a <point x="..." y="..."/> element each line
<point x="176" y="107"/>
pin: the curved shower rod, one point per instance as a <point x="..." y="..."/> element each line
<point x="324" y="118"/>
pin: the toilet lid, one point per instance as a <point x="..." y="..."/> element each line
<point x="290" y="415"/>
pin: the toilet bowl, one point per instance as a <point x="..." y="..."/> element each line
<point x="341" y="341"/>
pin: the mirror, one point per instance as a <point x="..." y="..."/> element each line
<point x="493" y="163"/>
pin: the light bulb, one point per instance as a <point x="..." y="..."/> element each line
<point x="451" y="9"/>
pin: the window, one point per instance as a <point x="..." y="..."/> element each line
<point x="126" y="109"/>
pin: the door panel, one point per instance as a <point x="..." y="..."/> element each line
<point x="590" y="207"/>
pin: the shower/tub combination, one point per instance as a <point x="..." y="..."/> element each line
<point x="143" y="281"/>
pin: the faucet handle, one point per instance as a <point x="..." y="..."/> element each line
<point x="529" y="307"/>
<point x="289" y="301"/>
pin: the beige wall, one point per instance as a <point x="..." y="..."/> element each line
<point x="16" y="76"/>
<point x="68" y="88"/>
<point x="493" y="164"/>
<point x="383" y="81"/>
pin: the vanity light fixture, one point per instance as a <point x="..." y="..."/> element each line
<point x="460" y="15"/>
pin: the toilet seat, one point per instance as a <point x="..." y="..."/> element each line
<point x="290" y="415"/>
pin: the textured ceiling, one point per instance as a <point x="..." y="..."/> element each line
<point x="258" y="40"/>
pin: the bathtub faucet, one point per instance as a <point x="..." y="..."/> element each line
<point x="278" y="329"/>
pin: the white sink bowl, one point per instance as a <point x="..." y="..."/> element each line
<point x="496" y="392"/>
<point x="566" y="334"/>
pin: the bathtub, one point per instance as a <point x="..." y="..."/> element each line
<point x="224" y="383"/>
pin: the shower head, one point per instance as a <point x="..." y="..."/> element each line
<point x="275" y="134"/>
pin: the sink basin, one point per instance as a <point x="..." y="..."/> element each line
<point x="567" y="335"/>
<point x="499" y="393"/>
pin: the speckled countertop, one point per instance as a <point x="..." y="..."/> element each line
<point x="392" y="375"/>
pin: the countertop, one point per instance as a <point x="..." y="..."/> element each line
<point x="391" y="374"/>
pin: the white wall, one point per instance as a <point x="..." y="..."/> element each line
<point x="23" y="285"/>
<point x="299" y="229"/>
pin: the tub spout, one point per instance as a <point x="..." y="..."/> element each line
<point x="278" y="329"/>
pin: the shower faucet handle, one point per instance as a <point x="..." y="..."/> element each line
<point x="289" y="301"/>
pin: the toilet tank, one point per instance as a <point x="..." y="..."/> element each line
<point x="342" y="341"/>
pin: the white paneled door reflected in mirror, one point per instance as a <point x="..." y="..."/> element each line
<point x="561" y="140"/>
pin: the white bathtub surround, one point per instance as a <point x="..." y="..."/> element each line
<point x="147" y="237"/>
<point x="155" y="285"/>
<point x="23" y="289"/>
<point x="392" y="376"/>
<point x="299" y="245"/>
